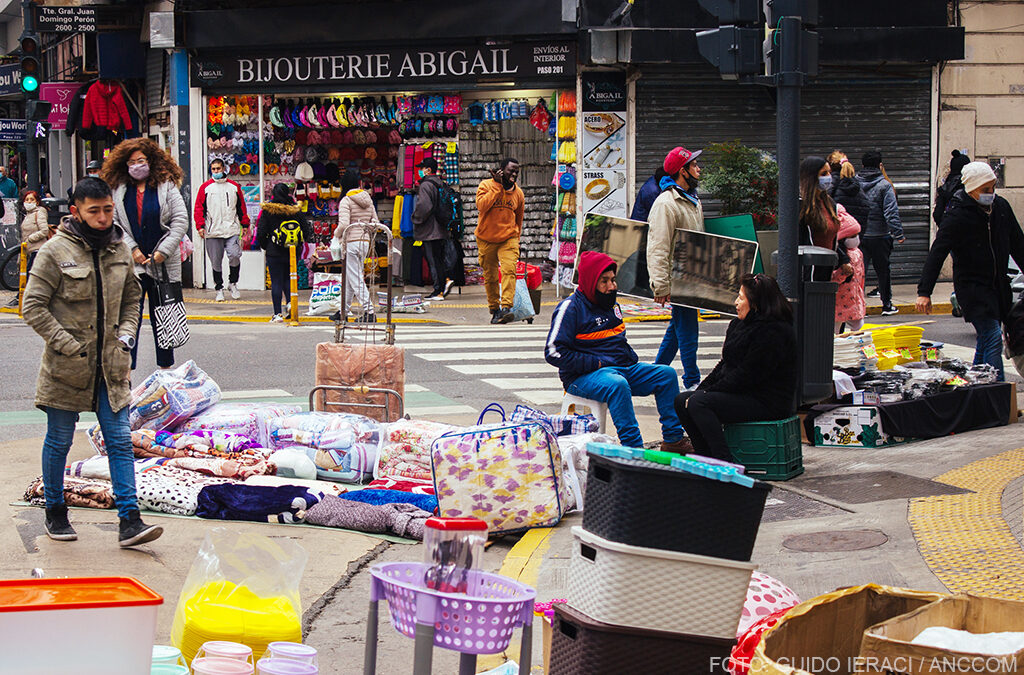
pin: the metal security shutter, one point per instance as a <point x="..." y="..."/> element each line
<point x="156" y="80"/>
<point x="842" y="109"/>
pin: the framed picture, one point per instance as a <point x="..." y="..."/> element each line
<point x="707" y="268"/>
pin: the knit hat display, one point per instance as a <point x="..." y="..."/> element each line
<point x="304" y="172"/>
<point x="976" y="174"/>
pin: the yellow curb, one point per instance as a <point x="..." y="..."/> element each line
<point x="964" y="538"/>
<point x="937" y="308"/>
<point x="8" y="310"/>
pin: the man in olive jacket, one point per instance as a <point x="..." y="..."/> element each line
<point x="82" y="298"/>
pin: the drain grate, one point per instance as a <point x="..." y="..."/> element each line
<point x="783" y="505"/>
<point x="874" y="486"/>
<point x="835" y="541"/>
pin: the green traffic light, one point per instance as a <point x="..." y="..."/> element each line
<point x="29" y="83"/>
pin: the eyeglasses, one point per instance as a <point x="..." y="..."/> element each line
<point x="136" y="162"/>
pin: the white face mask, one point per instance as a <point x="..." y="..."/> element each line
<point x="987" y="198"/>
<point x="30" y="206"/>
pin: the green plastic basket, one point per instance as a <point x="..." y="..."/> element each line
<point x="769" y="450"/>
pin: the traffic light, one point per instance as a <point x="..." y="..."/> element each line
<point x="735" y="46"/>
<point x="787" y="46"/>
<point x="31" y="72"/>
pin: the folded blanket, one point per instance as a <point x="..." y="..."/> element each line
<point x="404" y="520"/>
<point x="425" y="502"/>
<point x="248" y="419"/>
<point x="168" y="397"/>
<point x="90" y="493"/>
<point x="314" y="486"/>
<point x="405" y="450"/>
<point x="414" y="486"/>
<point x="341" y="442"/>
<point x="168" y="489"/>
<point x="284" y="504"/>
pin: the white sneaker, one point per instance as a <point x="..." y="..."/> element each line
<point x="436" y="297"/>
<point x="277" y="318"/>
<point x="220" y="296"/>
<point x="235" y="295"/>
<point x="288" y="309"/>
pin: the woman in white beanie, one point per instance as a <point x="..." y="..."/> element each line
<point x="981" y="232"/>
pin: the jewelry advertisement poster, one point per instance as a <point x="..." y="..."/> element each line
<point x="603" y="187"/>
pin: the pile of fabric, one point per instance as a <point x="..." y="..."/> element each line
<point x="342" y="445"/>
<point x="405" y="451"/>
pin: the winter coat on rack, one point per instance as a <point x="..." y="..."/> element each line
<point x="105" y="107"/>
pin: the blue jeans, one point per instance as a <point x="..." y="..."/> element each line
<point x="989" y="346"/>
<point x="617" y="386"/>
<point x="60" y="432"/>
<point x="681" y="336"/>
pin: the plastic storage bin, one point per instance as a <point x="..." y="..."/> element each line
<point x="101" y="624"/>
<point x="655" y="589"/>
<point x="655" y="506"/>
<point x="582" y="646"/>
<point x="770" y="450"/>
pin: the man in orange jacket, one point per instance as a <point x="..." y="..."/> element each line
<point x="500" y="204"/>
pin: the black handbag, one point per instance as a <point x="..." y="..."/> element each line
<point x="169" y="312"/>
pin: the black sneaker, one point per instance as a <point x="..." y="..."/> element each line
<point x="133" y="531"/>
<point x="495" y="313"/>
<point x="506" y="316"/>
<point x="890" y="310"/>
<point x="872" y="293"/>
<point x="335" y="317"/>
<point x="368" y="317"/>
<point x="57" y="526"/>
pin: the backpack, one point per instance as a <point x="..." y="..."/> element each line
<point x="447" y="208"/>
<point x="288" y="233"/>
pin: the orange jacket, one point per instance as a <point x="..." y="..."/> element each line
<point x="500" y="215"/>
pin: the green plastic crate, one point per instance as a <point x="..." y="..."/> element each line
<point x="770" y="450"/>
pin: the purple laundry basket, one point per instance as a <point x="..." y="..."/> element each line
<point x="481" y="621"/>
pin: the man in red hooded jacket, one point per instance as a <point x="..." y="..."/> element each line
<point x="587" y="343"/>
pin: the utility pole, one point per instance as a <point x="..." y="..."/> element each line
<point x="31" y="70"/>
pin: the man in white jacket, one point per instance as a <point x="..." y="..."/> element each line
<point x="220" y="217"/>
<point x="677" y="207"/>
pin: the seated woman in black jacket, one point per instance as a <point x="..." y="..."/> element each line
<point x="756" y="378"/>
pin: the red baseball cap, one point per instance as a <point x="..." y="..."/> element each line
<point x="677" y="158"/>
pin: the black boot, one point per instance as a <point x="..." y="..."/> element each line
<point x="57" y="526"/>
<point x="133" y="531"/>
<point x="495" y="313"/>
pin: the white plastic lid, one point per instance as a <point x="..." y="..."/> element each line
<point x="230" y="650"/>
<point x="285" y="667"/>
<point x="291" y="649"/>
<point x="165" y="654"/>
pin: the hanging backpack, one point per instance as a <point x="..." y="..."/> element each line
<point x="288" y="233"/>
<point x="448" y="208"/>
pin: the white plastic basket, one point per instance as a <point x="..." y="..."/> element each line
<point x="654" y="589"/>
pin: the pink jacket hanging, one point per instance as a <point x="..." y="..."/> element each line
<point x="105" y="107"/>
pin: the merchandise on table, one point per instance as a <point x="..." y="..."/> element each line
<point x="247" y="419"/>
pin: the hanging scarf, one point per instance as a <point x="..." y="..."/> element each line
<point x="146" y="230"/>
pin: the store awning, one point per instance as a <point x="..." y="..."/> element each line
<point x="374" y="22"/>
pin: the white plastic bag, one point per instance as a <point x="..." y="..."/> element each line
<point x="325" y="296"/>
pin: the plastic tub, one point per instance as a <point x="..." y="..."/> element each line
<point x="295" y="651"/>
<point x="285" y="667"/>
<point x="655" y="589"/>
<point x="207" y="665"/>
<point x="168" y="669"/>
<point x="655" y="506"/>
<point x="451" y="548"/>
<point x="167" y="655"/>
<point x="105" y="625"/>
<point x="582" y="646"/>
<point x="223" y="649"/>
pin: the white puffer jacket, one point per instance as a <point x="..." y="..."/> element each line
<point x="220" y="209"/>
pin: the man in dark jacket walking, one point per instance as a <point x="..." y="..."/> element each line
<point x="883" y="224"/>
<point x="587" y="343"/>
<point x="428" y="230"/>
<point x="950" y="186"/>
<point x="981" y="232"/>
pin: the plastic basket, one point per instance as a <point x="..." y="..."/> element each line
<point x="770" y="450"/>
<point x="656" y="506"/>
<point x="654" y="589"/>
<point x="582" y="646"/>
<point x="480" y="621"/>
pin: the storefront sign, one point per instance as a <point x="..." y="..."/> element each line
<point x="60" y="94"/>
<point x="12" y="131"/>
<point x="10" y="79"/>
<point x="604" y="144"/>
<point x="66" y="19"/>
<point x="395" y="65"/>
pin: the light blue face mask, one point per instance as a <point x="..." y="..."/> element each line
<point x="987" y="198"/>
<point x="825" y="182"/>
<point x="218" y="175"/>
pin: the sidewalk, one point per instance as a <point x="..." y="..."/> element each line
<point x="466" y="307"/>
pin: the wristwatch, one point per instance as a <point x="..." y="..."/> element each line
<point x="128" y="341"/>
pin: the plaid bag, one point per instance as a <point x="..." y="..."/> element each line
<point x="560" y="425"/>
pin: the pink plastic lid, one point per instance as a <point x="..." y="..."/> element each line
<point x="215" y="666"/>
<point x="456" y="524"/>
<point x="226" y="649"/>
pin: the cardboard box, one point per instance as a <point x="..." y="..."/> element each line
<point x="852" y="426"/>
<point x="888" y="644"/>
<point x="823" y="634"/>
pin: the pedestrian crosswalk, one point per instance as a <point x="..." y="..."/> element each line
<point x="511" y="358"/>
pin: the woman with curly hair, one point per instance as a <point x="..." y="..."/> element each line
<point x="149" y="209"/>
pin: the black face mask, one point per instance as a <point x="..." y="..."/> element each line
<point x="604" y="300"/>
<point x="691" y="182"/>
<point x="96" y="239"/>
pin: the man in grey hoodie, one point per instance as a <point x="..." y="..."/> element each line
<point x="883" y="224"/>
